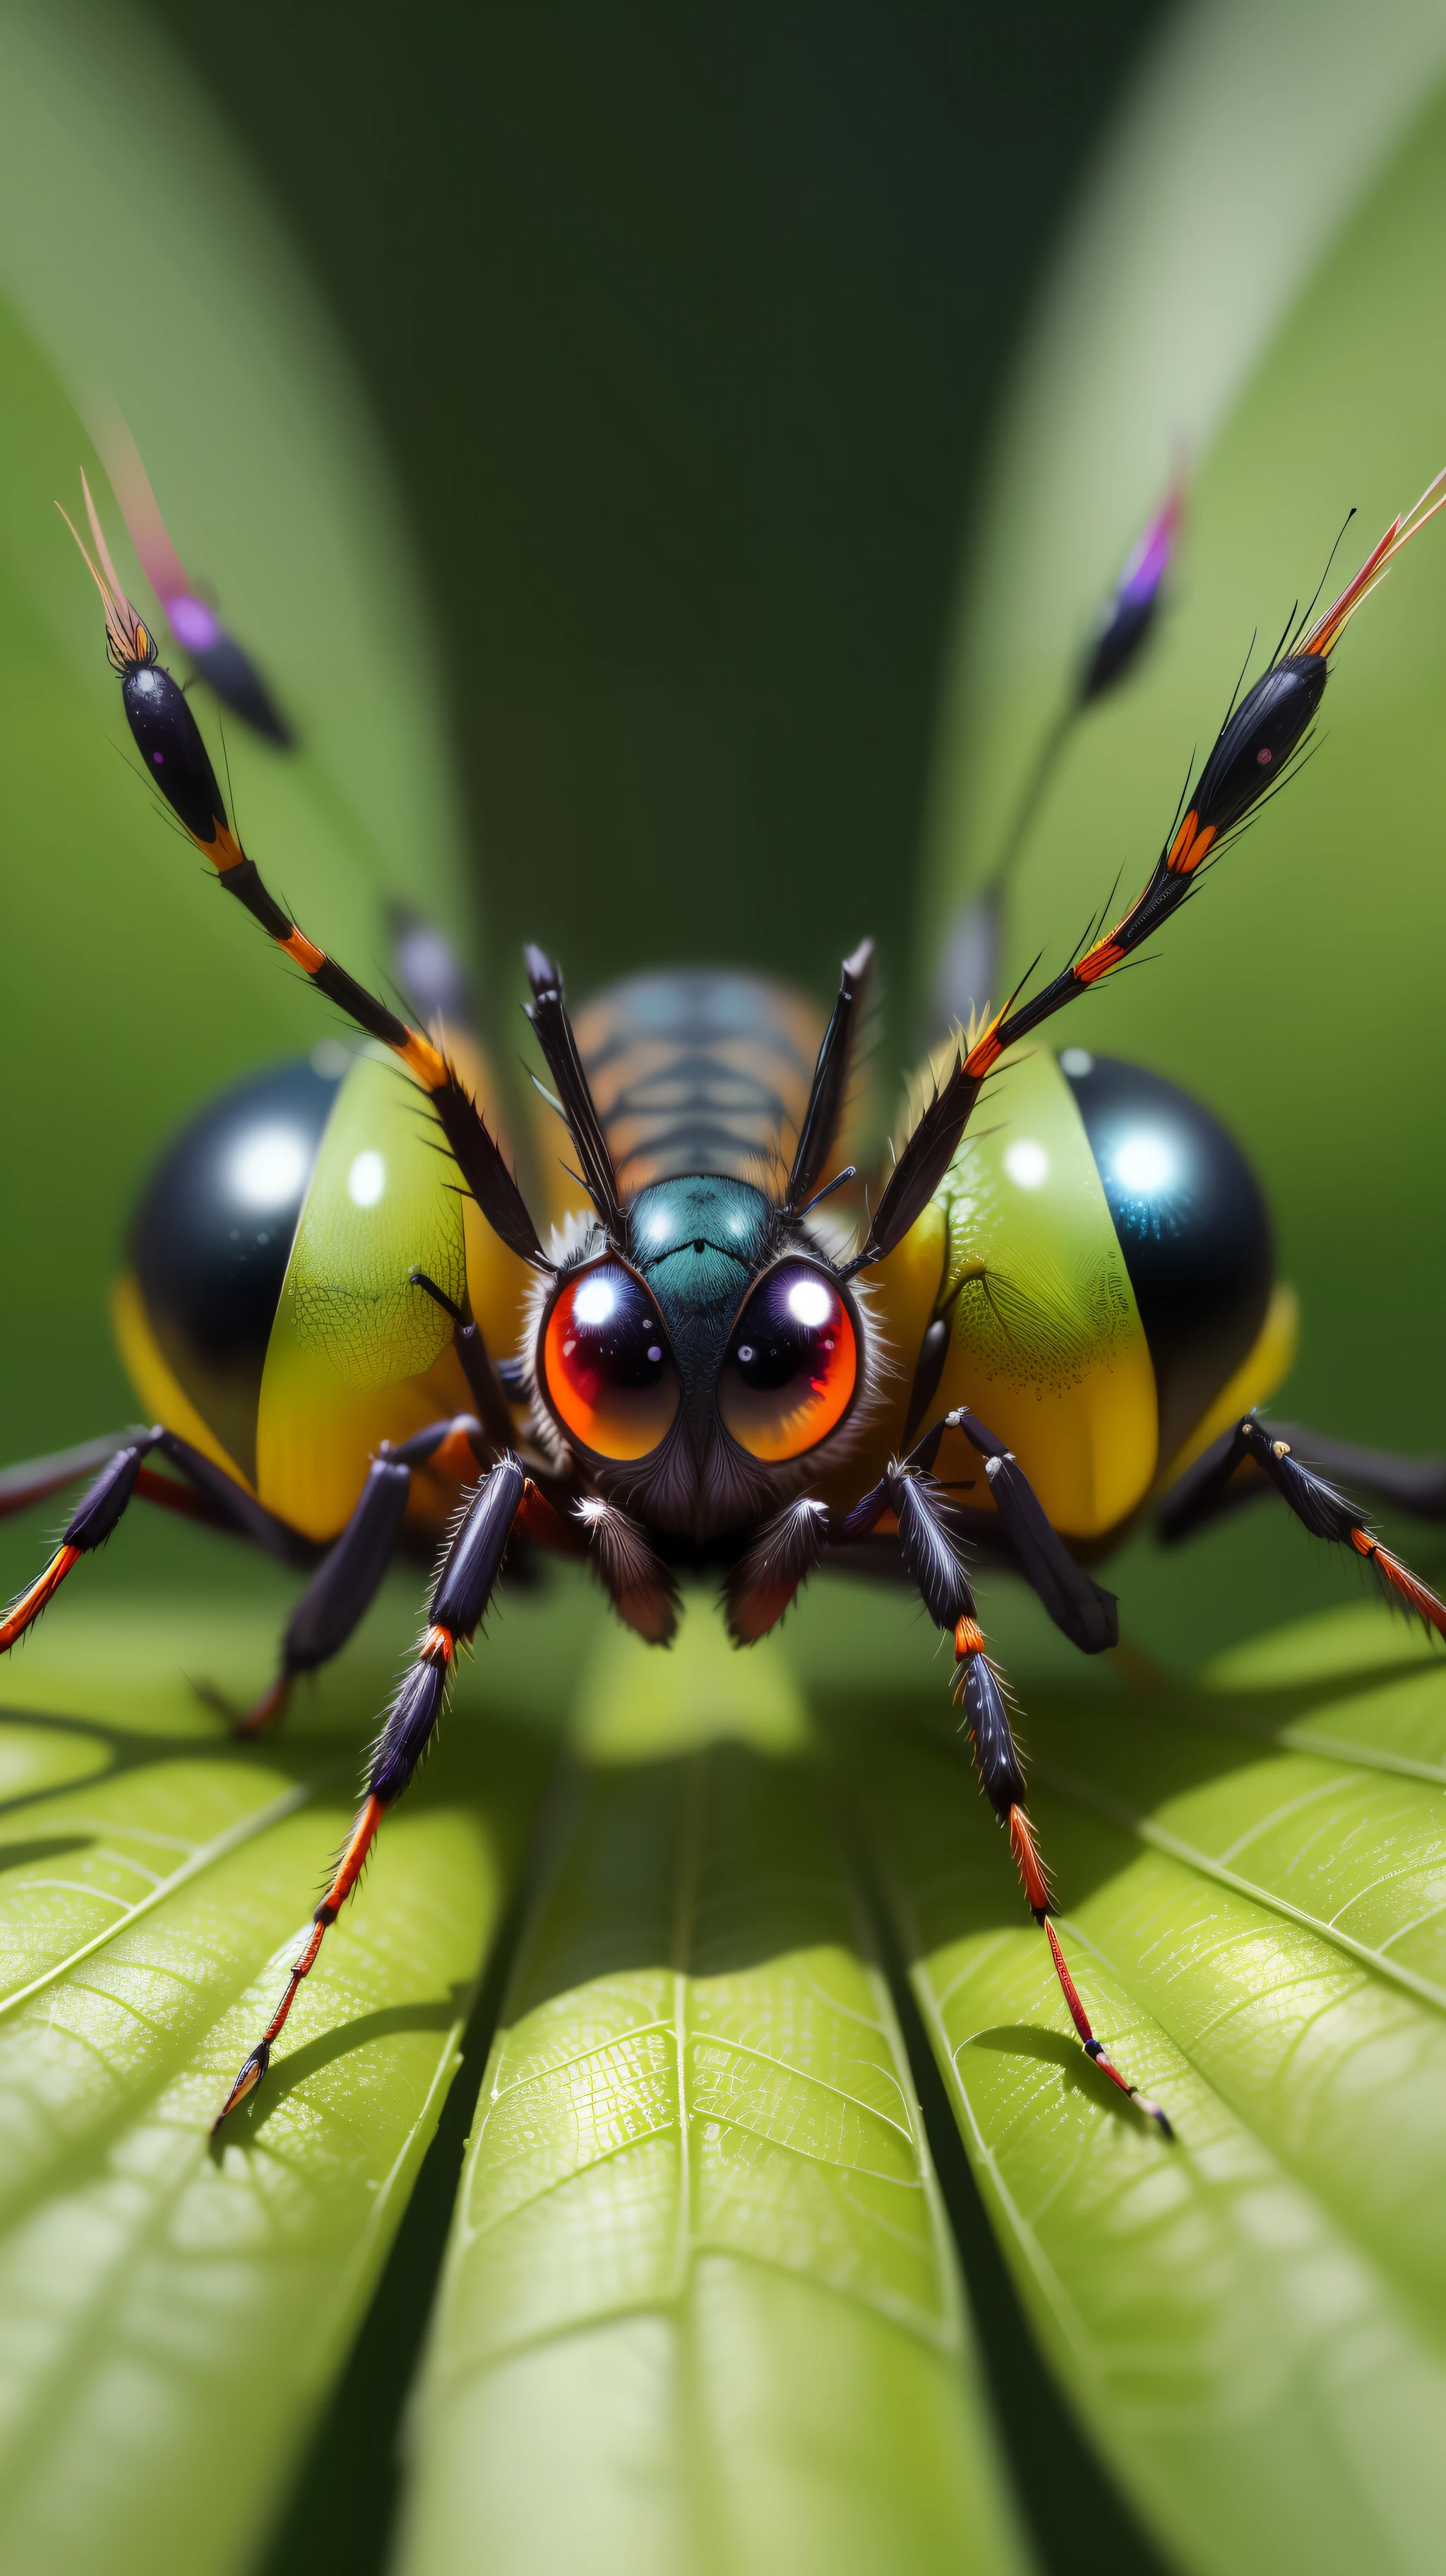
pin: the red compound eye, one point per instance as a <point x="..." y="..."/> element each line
<point x="607" y="1371"/>
<point x="792" y="1364"/>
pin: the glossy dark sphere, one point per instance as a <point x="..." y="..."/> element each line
<point x="213" y="1235"/>
<point x="1193" y="1226"/>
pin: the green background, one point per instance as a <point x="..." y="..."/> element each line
<point x="683" y="326"/>
<point x="685" y="331"/>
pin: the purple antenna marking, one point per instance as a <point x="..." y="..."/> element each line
<point x="192" y="623"/>
<point x="1149" y="560"/>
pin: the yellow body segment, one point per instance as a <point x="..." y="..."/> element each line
<point x="359" y="1355"/>
<point x="1018" y="1250"/>
<point x="1269" y="1361"/>
<point x="163" y="1399"/>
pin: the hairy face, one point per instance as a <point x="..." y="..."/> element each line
<point x="697" y="1372"/>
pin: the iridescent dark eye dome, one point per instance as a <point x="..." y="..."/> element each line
<point x="1193" y="1226"/>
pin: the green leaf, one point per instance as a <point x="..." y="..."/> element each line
<point x="700" y="2307"/>
<point x="1253" y="2322"/>
<point x="171" y="2311"/>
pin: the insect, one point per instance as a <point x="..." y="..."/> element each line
<point x="350" y="1328"/>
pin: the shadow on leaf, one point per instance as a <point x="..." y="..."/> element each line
<point x="1080" y="2073"/>
<point x="290" y="2071"/>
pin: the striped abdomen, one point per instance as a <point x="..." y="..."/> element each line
<point x="699" y="1072"/>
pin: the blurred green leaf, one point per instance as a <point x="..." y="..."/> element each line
<point x="171" y="2311"/>
<point x="1253" y="2322"/>
<point x="700" y="2306"/>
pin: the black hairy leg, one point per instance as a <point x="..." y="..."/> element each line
<point x="931" y="1548"/>
<point x="1414" y="1485"/>
<point x="1317" y="1504"/>
<point x="207" y="1495"/>
<point x="349" y="1576"/>
<point x="483" y="1383"/>
<point x="1079" y="1607"/>
<point x="505" y="1500"/>
<point x="32" y="1479"/>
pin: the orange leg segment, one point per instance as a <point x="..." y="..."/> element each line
<point x="23" y="1612"/>
<point x="1093" y="2047"/>
<point x="348" y="1870"/>
<point x="100" y="1508"/>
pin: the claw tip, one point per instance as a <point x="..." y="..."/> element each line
<point x="246" y="2082"/>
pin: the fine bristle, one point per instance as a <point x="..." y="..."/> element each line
<point x="480" y="1160"/>
<point x="1327" y="631"/>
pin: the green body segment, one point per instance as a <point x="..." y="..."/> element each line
<point x="1018" y="1252"/>
<point x="359" y="1354"/>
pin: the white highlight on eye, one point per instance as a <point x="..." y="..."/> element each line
<point x="1144" y="1165"/>
<point x="1076" y="1062"/>
<point x="270" y="1169"/>
<point x="594" y="1302"/>
<point x="809" y="1303"/>
<point x="366" y="1180"/>
<point x="1026" y="1163"/>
